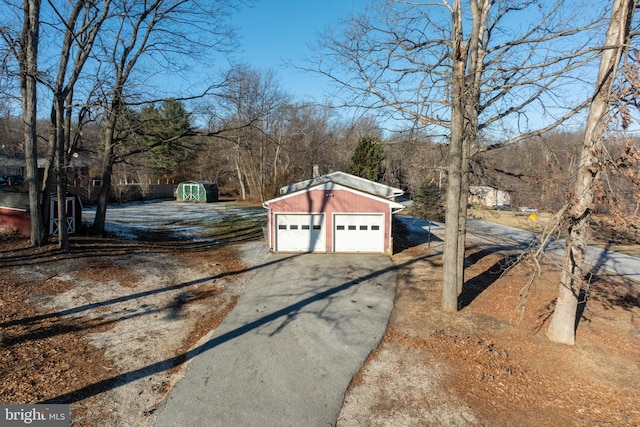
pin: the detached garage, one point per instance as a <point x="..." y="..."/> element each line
<point x="337" y="212"/>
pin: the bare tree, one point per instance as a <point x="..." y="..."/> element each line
<point x="28" y="55"/>
<point x="79" y="31"/>
<point x="412" y="159"/>
<point x="576" y="215"/>
<point x="491" y="80"/>
<point x="166" y="32"/>
<point x="256" y="107"/>
<point x="311" y="137"/>
<point x="24" y="48"/>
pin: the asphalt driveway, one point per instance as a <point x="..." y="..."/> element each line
<point x="287" y="352"/>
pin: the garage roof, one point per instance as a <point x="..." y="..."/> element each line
<point x="330" y="185"/>
<point x="347" y="180"/>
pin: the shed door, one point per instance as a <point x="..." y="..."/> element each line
<point x="190" y="192"/>
<point x="300" y="233"/>
<point x="54" y="222"/>
<point x="358" y="233"/>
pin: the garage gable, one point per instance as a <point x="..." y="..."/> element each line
<point x="347" y="180"/>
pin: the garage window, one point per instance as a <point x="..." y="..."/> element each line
<point x="282" y="226"/>
<point x="304" y="227"/>
<point x="317" y="227"/>
<point x="375" y="227"/>
<point x="352" y="227"/>
<point x="340" y="227"/>
<point x="293" y="227"/>
<point x="364" y="227"/>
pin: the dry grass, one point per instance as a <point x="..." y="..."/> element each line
<point x="107" y="326"/>
<point x="488" y="365"/>
<point x="525" y="221"/>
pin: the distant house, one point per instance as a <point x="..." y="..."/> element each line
<point x="488" y="196"/>
<point x="14" y="164"/>
<point x="337" y="212"/>
<point x="11" y="165"/>
<point x="14" y="199"/>
<point x="14" y="212"/>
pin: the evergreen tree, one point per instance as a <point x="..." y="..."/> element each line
<point x="163" y="132"/>
<point x="367" y="159"/>
<point x="427" y="201"/>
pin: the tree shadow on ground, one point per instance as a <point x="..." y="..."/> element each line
<point x="473" y="287"/>
<point x="409" y="232"/>
<point x="110" y="302"/>
<point x="87" y="246"/>
<point x="167" y="364"/>
<point x="610" y="291"/>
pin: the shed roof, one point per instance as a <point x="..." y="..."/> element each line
<point x="347" y="180"/>
<point x="205" y="183"/>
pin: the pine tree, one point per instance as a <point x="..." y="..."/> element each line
<point x="427" y="201"/>
<point x="163" y="129"/>
<point x="367" y="159"/>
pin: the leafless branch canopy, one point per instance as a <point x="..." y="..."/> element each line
<point x="397" y="59"/>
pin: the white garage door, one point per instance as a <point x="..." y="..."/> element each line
<point x="300" y="233"/>
<point x="358" y="233"/>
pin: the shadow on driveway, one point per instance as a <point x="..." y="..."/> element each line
<point x="286" y="353"/>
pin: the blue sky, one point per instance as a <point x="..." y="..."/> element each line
<point x="273" y="31"/>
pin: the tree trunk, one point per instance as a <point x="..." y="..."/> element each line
<point x="243" y="192"/>
<point x="61" y="170"/>
<point x="276" y="160"/>
<point x="106" y="168"/>
<point x="451" y="276"/>
<point x="48" y="175"/>
<point x="100" y="219"/>
<point x="462" y="216"/>
<point x="476" y="53"/>
<point x="28" y="87"/>
<point x="563" y="322"/>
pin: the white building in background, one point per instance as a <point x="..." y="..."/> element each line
<point x="488" y="196"/>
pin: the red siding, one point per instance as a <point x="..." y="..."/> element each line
<point x="15" y="221"/>
<point x="330" y="202"/>
<point x="19" y="221"/>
